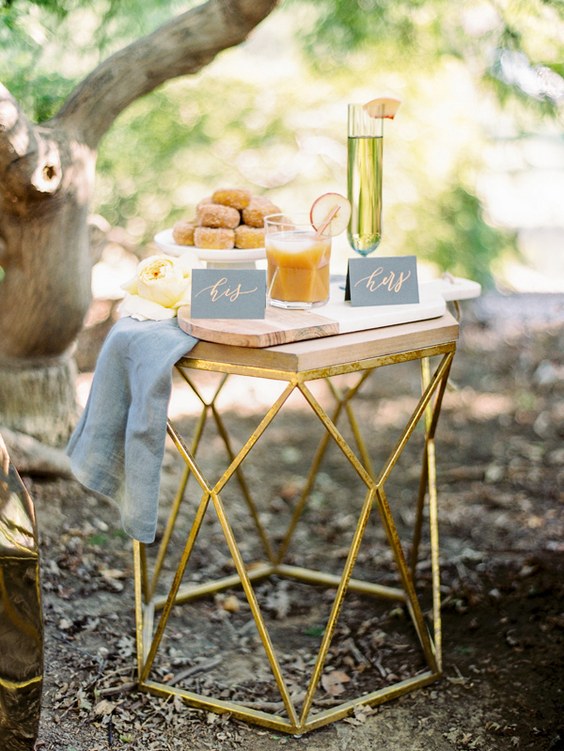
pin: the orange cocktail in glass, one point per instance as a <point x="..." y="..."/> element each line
<point x="298" y="263"/>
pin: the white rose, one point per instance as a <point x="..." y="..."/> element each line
<point x="160" y="286"/>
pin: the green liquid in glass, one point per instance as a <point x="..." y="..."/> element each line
<point x="364" y="191"/>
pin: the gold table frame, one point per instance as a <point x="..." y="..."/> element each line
<point x="297" y="364"/>
<point x="21" y="612"/>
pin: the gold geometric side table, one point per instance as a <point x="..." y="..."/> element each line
<point x="430" y="343"/>
<point x="21" y="613"/>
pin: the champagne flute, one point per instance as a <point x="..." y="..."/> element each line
<point x="365" y="150"/>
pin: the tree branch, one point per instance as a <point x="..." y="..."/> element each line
<point x="183" y="45"/>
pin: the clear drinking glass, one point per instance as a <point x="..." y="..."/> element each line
<point x="297" y="262"/>
<point x="364" y="179"/>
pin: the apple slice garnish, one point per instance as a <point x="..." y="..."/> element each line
<point x="383" y="106"/>
<point x="330" y="214"/>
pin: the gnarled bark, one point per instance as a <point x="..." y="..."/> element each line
<point x="46" y="183"/>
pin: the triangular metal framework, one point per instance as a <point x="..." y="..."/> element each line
<point x="153" y="613"/>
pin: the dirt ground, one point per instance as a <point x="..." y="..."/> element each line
<point x="500" y="475"/>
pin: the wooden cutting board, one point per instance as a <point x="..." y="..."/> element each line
<point x="281" y="326"/>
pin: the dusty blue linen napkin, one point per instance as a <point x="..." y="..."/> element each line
<point x="118" y="446"/>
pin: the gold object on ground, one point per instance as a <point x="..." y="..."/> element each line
<point x="432" y="344"/>
<point x="21" y="621"/>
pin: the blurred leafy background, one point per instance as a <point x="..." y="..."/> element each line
<point x="477" y="141"/>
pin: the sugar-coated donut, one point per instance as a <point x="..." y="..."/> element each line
<point x="237" y="198"/>
<point x="216" y="215"/>
<point x="183" y="232"/>
<point x="259" y="207"/>
<point x="219" y="238"/>
<point x="249" y="237"/>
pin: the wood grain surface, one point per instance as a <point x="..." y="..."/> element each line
<point x="278" y="327"/>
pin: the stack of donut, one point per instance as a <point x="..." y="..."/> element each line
<point x="229" y="218"/>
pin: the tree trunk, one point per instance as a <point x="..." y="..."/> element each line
<point x="47" y="388"/>
<point x="46" y="183"/>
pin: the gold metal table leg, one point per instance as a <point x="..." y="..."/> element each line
<point x="297" y="714"/>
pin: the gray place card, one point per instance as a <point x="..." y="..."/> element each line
<point x="228" y="293"/>
<point x="382" y="281"/>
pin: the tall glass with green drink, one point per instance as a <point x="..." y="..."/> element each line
<point x="364" y="179"/>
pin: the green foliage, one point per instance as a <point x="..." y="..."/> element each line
<point x="286" y="133"/>
<point x="47" y="96"/>
<point x="338" y="26"/>
<point x="11" y="8"/>
<point x="48" y="46"/>
<point x="453" y="233"/>
<point x="480" y="32"/>
<point x="27" y="30"/>
<point x="168" y="150"/>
